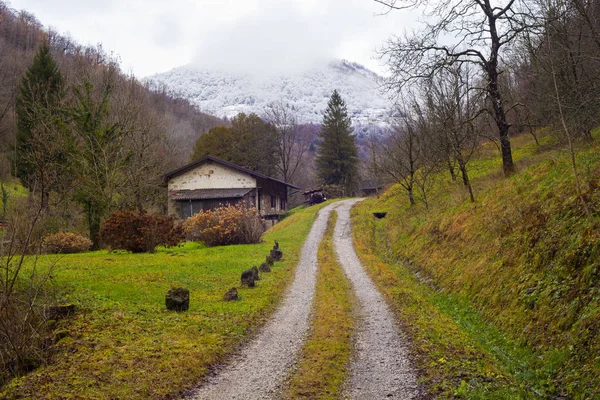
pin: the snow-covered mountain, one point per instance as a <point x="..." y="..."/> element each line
<point x="225" y="94"/>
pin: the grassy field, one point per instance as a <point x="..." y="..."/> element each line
<point x="123" y="344"/>
<point x="322" y="367"/>
<point x="514" y="275"/>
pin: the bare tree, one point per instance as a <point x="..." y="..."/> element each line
<point x="588" y="11"/>
<point x="483" y="30"/>
<point x="550" y="34"/>
<point x="400" y="154"/>
<point x="24" y="295"/>
<point x="566" y="57"/>
<point x="453" y="107"/>
<point x="10" y="70"/>
<point x="292" y="144"/>
<point x="144" y="140"/>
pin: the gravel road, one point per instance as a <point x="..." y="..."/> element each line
<point x="380" y="368"/>
<point x="259" y="371"/>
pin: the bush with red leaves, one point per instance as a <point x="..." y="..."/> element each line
<point x="139" y="233"/>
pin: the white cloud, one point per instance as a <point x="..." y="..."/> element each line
<point x="251" y="35"/>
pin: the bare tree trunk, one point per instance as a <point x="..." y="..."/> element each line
<point x="503" y="126"/>
<point x="411" y="196"/>
<point x="467" y="181"/>
<point x="452" y="172"/>
<point x="532" y="133"/>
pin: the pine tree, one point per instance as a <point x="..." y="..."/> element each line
<point x="337" y="157"/>
<point x="42" y="143"/>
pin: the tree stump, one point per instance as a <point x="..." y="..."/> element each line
<point x="178" y="299"/>
<point x="231" y="295"/>
<point x="264" y="268"/>
<point x="248" y="278"/>
<point x="276" y="255"/>
<point x="59" y="311"/>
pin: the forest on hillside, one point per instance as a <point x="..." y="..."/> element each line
<point x="174" y="124"/>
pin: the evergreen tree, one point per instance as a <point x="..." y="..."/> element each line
<point x="102" y="156"/>
<point x="217" y="142"/>
<point x="250" y="142"/>
<point x="42" y="140"/>
<point x="337" y="157"/>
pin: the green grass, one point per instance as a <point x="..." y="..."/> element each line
<point x="124" y="344"/>
<point x="450" y="362"/>
<point x="519" y="267"/>
<point x="322" y="367"/>
<point x="15" y="190"/>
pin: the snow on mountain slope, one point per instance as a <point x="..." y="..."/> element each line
<point x="226" y="94"/>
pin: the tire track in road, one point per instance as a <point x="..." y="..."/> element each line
<point x="381" y="368"/>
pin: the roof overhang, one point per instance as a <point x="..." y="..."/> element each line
<point x="209" y="194"/>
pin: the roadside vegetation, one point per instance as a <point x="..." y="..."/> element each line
<point x="322" y="367"/>
<point x="122" y="343"/>
<point x="499" y="296"/>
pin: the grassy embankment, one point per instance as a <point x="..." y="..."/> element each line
<point x="122" y="342"/>
<point x="13" y="190"/>
<point x="322" y="366"/>
<point x="501" y="297"/>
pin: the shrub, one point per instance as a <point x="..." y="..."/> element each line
<point x="139" y="233"/>
<point x="225" y="225"/>
<point x="66" y="242"/>
<point x="25" y="290"/>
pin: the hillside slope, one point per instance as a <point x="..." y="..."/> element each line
<point x="226" y="94"/>
<point x="525" y="256"/>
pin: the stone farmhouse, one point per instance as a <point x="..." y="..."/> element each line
<point x="209" y="182"/>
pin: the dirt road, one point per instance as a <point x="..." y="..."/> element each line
<point x="380" y="368"/>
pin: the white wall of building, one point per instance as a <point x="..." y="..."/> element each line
<point x="211" y="175"/>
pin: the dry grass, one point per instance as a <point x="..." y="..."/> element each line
<point x="524" y="257"/>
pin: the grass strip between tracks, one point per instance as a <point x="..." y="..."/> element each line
<point x="322" y="367"/>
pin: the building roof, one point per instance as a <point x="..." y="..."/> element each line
<point x="193" y="165"/>
<point x="208" y="194"/>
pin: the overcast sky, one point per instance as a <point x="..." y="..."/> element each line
<point x="152" y="36"/>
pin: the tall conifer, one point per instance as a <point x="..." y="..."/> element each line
<point x="41" y="145"/>
<point x="337" y="157"/>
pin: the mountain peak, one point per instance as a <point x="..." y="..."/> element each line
<point x="225" y="94"/>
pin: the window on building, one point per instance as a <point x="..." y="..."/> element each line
<point x="282" y="205"/>
<point x="273" y="201"/>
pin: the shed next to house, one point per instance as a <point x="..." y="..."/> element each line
<point x="209" y="182"/>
